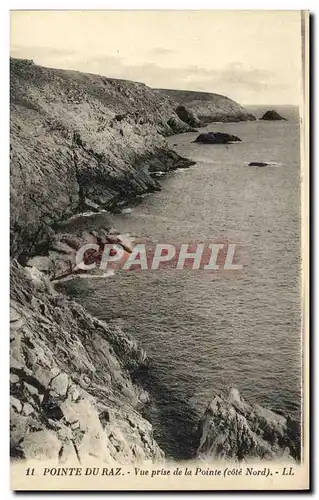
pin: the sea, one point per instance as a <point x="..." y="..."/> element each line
<point x="205" y="334"/>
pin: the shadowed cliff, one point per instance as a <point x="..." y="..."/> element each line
<point x="82" y="141"/>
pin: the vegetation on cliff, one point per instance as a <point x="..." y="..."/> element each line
<point x="272" y="115"/>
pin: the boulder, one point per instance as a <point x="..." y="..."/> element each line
<point x="272" y="115"/>
<point x="216" y="138"/>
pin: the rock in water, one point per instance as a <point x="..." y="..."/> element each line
<point x="272" y="115"/>
<point x="258" y="164"/>
<point x="216" y="138"/>
<point x="234" y="430"/>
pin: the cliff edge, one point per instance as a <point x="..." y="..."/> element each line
<point x="72" y="395"/>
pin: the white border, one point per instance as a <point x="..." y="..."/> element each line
<point x="4" y="184"/>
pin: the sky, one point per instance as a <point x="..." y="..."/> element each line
<point x="254" y="57"/>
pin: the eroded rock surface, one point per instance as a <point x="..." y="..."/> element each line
<point x="72" y="396"/>
<point x="232" y="429"/>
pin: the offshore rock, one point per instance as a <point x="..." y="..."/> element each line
<point x="258" y="164"/>
<point x="272" y="115"/>
<point x="232" y="429"/>
<point x="216" y="138"/>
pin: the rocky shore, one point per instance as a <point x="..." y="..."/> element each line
<point x="85" y="142"/>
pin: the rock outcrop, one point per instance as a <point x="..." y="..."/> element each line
<point x="58" y="259"/>
<point x="272" y="115"/>
<point x="216" y="138"/>
<point x="205" y="107"/>
<point x="232" y="429"/>
<point x="187" y="117"/>
<point x="72" y="394"/>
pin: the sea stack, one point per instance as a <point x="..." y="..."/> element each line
<point x="272" y="115"/>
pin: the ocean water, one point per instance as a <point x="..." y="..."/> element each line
<point x="205" y="334"/>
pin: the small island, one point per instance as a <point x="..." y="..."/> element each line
<point x="272" y="115"/>
<point x="216" y="138"/>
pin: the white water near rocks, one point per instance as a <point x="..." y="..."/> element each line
<point x="205" y="335"/>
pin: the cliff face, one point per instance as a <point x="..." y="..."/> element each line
<point x="72" y="395"/>
<point x="234" y="430"/>
<point x="79" y="138"/>
<point x="205" y="107"/>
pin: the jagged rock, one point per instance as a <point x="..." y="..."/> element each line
<point x="272" y="115"/>
<point x="27" y="409"/>
<point x="70" y="121"/>
<point x="70" y="369"/>
<point x="16" y="404"/>
<point x="14" y="315"/>
<point x="216" y="138"/>
<point x="177" y="126"/>
<point x="232" y="429"/>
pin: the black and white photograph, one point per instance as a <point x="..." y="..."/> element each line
<point x="159" y="172"/>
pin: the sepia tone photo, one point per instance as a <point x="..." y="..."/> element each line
<point x="158" y="270"/>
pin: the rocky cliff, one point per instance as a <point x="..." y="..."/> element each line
<point x="72" y="394"/>
<point x="78" y="139"/>
<point x="201" y="108"/>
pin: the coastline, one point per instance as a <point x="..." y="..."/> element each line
<point x="41" y="369"/>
